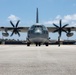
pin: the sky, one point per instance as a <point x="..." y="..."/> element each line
<point x="50" y="11"/>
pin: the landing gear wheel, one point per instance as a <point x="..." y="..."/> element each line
<point x="28" y="44"/>
<point x="36" y="44"/>
<point x="39" y="44"/>
<point x="46" y="44"/>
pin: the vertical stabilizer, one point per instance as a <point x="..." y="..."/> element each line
<point x="37" y="16"/>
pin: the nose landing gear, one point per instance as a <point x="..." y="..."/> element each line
<point x="38" y="44"/>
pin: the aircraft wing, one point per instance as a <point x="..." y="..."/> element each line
<point x="51" y="29"/>
<point x="20" y="29"/>
<point x="25" y="29"/>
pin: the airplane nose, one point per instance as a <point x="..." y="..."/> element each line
<point x="38" y="31"/>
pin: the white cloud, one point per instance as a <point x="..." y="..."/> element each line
<point x="52" y="21"/>
<point x="58" y="17"/>
<point x="13" y="18"/>
<point x="70" y="19"/>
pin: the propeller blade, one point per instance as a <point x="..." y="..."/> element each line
<point x="55" y="25"/>
<point x="59" y="41"/>
<point x="64" y="30"/>
<point x="60" y="29"/>
<point x="12" y="33"/>
<point x="18" y="33"/>
<point x="17" y="23"/>
<point x="65" y="25"/>
<point x="60" y="33"/>
<point x="15" y="28"/>
<point x="56" y="30"/>
<point x="60" y="23"/>
<point x="12" y="24"/>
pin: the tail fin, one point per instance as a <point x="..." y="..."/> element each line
<point x="37" y="16"/>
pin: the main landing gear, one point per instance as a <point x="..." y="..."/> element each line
<point x="39" y="44"/>
<point x="46" y="44"/>
<point x="28" y="44"/>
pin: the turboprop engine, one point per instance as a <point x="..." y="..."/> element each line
<point x="69" y="34"/>
<point x="5" y="34"/>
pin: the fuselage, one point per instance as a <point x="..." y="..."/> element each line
<point x="38" y="34"/>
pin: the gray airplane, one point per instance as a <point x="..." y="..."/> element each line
<point x="38" y="34"/>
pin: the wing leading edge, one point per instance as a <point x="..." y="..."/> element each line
<point x="25" y="29"/>
<point x="51" y="29"/>
<point x="20" y="29"/>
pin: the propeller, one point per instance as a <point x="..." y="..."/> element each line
<point x="15" y="28"/>
<point x="60" y="29"/>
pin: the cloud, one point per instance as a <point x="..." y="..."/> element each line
<point x="70" y="19"/>
<point x="13" y="18"/>
<point x="58" y="17"/>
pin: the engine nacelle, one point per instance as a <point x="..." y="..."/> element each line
<point x="5" y="34"/>
<point x="69" y="34"/>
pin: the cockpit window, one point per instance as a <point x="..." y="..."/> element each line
<point x="38" y="26"/>
<point x="32" y="27"/>
<point x="44" y="28"/>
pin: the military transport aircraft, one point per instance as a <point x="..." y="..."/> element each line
<point x="38" y="33"/>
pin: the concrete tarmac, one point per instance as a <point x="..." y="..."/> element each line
<point x="51" y="60"/>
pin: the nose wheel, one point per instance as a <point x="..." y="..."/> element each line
<point x="38" y="44"/>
